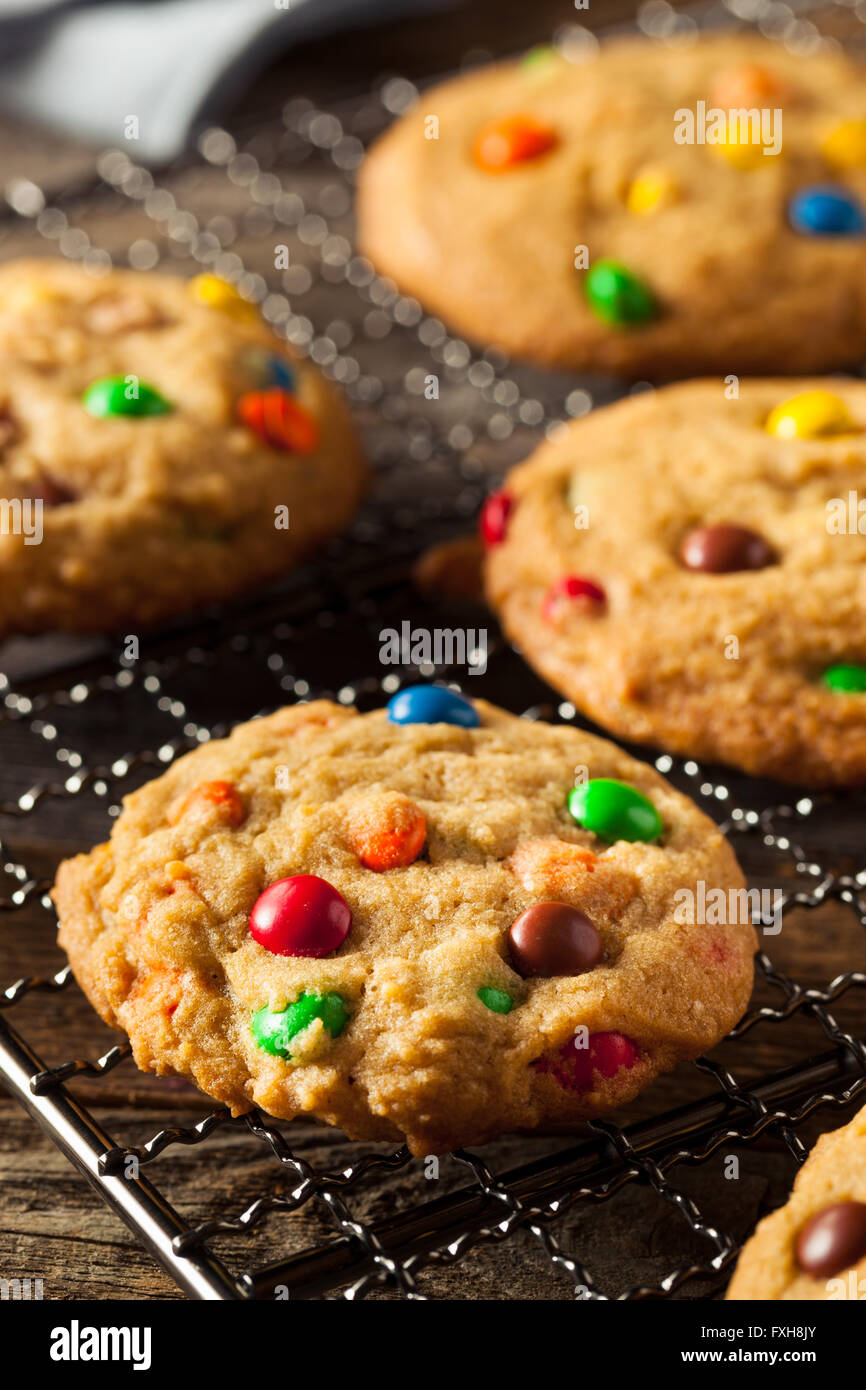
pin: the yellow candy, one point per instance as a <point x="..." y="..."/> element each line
<point x="745" y="154"/>
<point x="845" y="145"/>
<point x="810" y="415"/>
<point x="219" y="294"/>
<point x="28" y="296"/>
<point x="650" y="190"/>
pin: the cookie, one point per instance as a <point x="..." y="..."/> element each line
<point x="159" y="448"/>
<point x="814" y="1247"/>
<point x="435" y="921"/>
<point x="690" y="570"/>
<point x="555" y="210"/>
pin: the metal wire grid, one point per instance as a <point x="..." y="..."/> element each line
<point x="487" y="399"/>
<point x="398" y="1250"/>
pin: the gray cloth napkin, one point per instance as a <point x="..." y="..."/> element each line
<point x="85" y="68"/>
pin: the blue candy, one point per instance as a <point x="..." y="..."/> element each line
<point x="826" y="211"/>
<point x="432" y="704"/>
<point x="282" y="374"/>
<point x="267" y="369"/>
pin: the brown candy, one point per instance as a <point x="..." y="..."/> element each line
<point x="8" y="430"/>
<point x="724" y="548"/>
<point x="554" y="939"/>
<point x="833" y="1240"/>
<point x="50" y="492"/>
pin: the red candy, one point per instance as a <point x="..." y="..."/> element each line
<point x="611" y="1052"/>
<point x="277" y="418"/>
<point x="300" y="916"/>
<point x="511" y="140"/>
<point x="571" y="588"/>
<point x="494" y="517"/>
<point x="573" y="1066"/>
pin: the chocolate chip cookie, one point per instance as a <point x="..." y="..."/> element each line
<point x="651" y="210"/>
<point x="159" y="448"/>
<point x="814" y="1247"/>
<point x="435" y="921"/>
<point x="689" y="567"/>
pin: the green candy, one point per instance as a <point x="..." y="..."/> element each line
<point x="614" y="810"/>
<point x="496" y="999"/>
<point x="273" y="1031"/>
<point x="847" y="679"/>
<point x="541" y="56"/>
<point x="617" y="296"/>
<point x="120" y="395"/>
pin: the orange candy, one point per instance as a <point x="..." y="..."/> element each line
<point x="159" y="989"/>
<point x="511" y="140"/>
<point x="552" y="867"/>
<point x="553" y="861"/>
<point x="281" y="421"/>
<point x="386" y="831"/>
<point x="210" y="799"/>
<point x="745" y="85"/>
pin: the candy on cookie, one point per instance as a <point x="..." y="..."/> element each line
<point x="180" y="454"/>
<point x="654" y="210"/>
<point x="814" y="1247"/>
<point x="714" y="606"/>
<point x="403" y="923"/>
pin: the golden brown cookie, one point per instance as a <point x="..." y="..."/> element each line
<point x="814" y="1247"/>
<point x="549" y="207"/>
<point x="431" y="930"/>
<point x="690" y="570"/>
<point x="159" y="448"/>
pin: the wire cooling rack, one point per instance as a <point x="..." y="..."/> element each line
<point x="68" y="706"/>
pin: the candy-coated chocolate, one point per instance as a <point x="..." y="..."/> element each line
<point x="493" y="521"/>
<point x="744" y="153"/>
<point x="220" y="294"/>
<point x="845" y="145"/>
<point x="300" y="916"/>
<point x="744" y="85"/>
<point x="829" y="210"/>
<point x="618" y="296"/>
<point x="604" y="1054"/>
<point x="848" y="678"/>
<point x="123" y="395"/>
<point x="264" y="369"/>
<point x="614" y="810"/>
<point x="432" y="704"/>
<point x="280" y="420"/>
<point x="496" y="1000"/>
<point x="386" y="831"/>
<point x="810" y="415"/>
<point x="273" y="1030"/>
<point x="510" y="141"/>
<point x="553" y="939"/>
<point x="542" y="56"/>
<point x="651" y="190"/>
<point x="834" y="1239"/>
<point x="724" y="549"/>
<point x="50" y="491"/>
<point x="218" y="799"/>
<point x="572" y="589"/>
